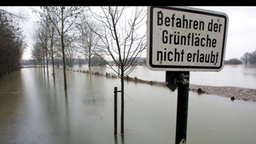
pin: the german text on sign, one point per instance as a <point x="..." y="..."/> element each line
<point x="186" y="39"/>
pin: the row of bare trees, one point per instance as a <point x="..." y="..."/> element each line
<point x="109" y="33"/>
<point x="55" y="35"/>
<point x="11" y="43"/>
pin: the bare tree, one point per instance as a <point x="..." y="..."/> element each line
<point x="52" y="40"/>
<point x="121" y="40"/>
<point x="64" y="20"/>
<point x="37" y="53"/>
<point x="42" y="41"/>
<point x="51" y="34"/>
<point x="70" y="49"/>
<point x="88" y="40"/>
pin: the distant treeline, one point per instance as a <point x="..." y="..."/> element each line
<point x="95" y="61"/>
<point x="247" y="58"/>
<point x="11" y="43"/>
<point x="233" y="61"/>
<point x="70" y="62"/>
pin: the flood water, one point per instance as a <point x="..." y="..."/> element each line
<point x="34" y="110"/>
<point x="231" y="75"/>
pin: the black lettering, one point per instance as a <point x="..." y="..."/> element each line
<point x="159" y="18"/>
<point x="190" y="23"/>
<point x="185" y="22"/>
<point x="182" y="54"/>
<point x="201" y="58"/>
<point x="202" y="42"/>
<point x="178" y="23"/>
<point x="173" y="17"/>
<point x="217" y="55"/>
<point x="194" y="56"/>
<point x="169" y="56"/>
<point x="196" y="41"/>
<point x="176" y="55"/>
<point x="197" y="58"/>
<point x="164" y="36"/>
<point x="214" y="43"/>
<point x="207" y="59"/>
<point x="176" y="38"/>
<point x="165" y="54"/>
<point x="212" y="57"/>
<point x="210" y="25"/>
<point x="167" y="21"/>
<point x="220" y="27"/>
<point x="159" y="56"/>
<point x="195" y="25"/>
<point x="208" y="41"/>
<point x="215" y="27"/>
<point x="189" y="56"/>
<point x="201" y="25"/>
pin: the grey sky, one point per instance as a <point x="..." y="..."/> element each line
<point x="240" y="38"/>
<point x="241" y="29"/>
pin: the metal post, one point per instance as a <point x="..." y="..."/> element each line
<point x="115" y="110"/>
<point x="182" y="107"/>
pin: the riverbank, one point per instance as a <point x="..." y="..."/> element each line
<point x="234" y="93"/>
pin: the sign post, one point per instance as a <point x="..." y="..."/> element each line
<point x="183" y="39"/>
<point x="182" y="107"/>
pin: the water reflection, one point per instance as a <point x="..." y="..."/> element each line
<point x="46" y="112"/>
<point x="33" y="110"/>
<point x="11" y="105"/>
<point x="120" y="141"/>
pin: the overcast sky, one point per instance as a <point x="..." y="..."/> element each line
<point x="240" y="38"/>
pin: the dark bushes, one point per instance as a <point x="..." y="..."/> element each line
<point x="11" y="44"/>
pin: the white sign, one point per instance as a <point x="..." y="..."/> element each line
<point x="185" y="39"/>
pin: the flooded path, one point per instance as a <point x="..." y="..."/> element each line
<point x="34" y="110"/>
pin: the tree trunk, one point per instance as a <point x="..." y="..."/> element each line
<point x="43" y="61"/>
<point x="47" y="63"/>
<point x="122" y="100"/>
<point x="64" y="63"/>
<point x="89" y="60"/>
<point x="63" y="50"/>
<point x="53" y="70"/>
